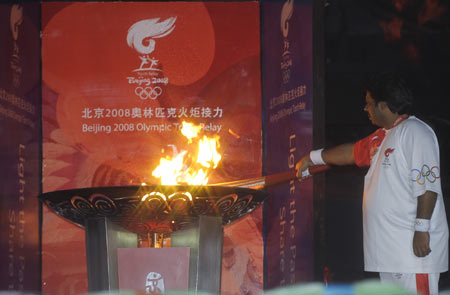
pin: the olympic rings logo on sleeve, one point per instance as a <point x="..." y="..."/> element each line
<point x="426" y="173"/>
<point x="148" y="92"/>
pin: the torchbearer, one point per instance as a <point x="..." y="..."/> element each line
<point x="404" y="220"/>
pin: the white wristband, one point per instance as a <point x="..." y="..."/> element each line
<point x="316" y="157"/>
<point x="422" y="225"/>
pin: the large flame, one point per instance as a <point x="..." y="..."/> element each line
<point x="207" y="152"/>
<point x="190" y="131"/>
<point x="186" y="168"/>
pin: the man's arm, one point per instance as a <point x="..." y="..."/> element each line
<point x="425" y="207"/>
<point x="339" y="155"/>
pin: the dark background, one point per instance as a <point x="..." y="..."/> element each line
<point x="363" y="37"/>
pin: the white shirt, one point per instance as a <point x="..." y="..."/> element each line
<point x="405" y="165"/>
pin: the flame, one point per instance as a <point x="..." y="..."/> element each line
<point x="169" y="169"/>
<point x="190" y="168"/>
<point x="207" y="152"/>
<point x="237" y="136"/>
<point x="189" y="130"/>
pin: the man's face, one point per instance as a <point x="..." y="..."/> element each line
<point x="374" y="110"/>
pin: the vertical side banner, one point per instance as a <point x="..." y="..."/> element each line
<point x="287" y="93"/>
<point x="19" y="147"/>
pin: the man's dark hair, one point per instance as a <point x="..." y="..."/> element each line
<point x="392" y="89"/>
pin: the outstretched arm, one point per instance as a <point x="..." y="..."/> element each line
<point x="339" y="155"/>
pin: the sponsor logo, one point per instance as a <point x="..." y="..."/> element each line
<point x="142" y="37"/>
<point x="16" y="20"/>
<point x="286" y="60"/>
<point x="387" y="153"/>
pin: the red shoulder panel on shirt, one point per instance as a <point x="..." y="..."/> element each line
<point x="366" y="148"/>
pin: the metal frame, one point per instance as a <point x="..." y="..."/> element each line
<point x="103" y="237"/>
<point x="203" y="236"/>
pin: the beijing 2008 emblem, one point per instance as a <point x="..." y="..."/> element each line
<point x="154" y="284"/>
<point x="148" y="79"/>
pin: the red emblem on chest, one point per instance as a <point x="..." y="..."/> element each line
<point x="388" y="151"/>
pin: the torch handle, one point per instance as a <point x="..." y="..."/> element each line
<point x="314" y="170"/>
<point x="274" y="179"/>
<point x="282" y="177"/>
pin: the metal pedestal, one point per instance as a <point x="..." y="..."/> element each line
<point x="204" y="237"/>
<point x="103" y="237"/>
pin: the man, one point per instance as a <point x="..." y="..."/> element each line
<point x="404" y="221"/>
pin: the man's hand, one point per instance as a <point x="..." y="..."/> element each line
<point x="421" y="243"/>
<point x="302" y="165"/>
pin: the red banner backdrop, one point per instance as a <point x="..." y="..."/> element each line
<point x="118" y="80"/>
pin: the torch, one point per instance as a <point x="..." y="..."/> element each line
<point x="274" y="179"/>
